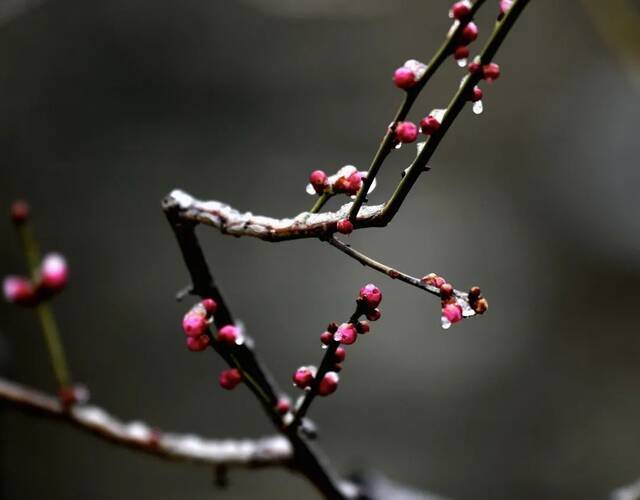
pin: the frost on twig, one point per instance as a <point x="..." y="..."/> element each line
<point x="267" y="451"/>
<point x="231" y="221"/>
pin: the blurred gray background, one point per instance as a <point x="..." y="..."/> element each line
<point x="108" y="105"/>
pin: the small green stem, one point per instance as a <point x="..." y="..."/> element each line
<point x="324" y="197"/>
<point x="44" y="311"/>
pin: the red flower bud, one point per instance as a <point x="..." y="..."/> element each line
<point x="341" y="353"/>
<point x="328" y="384"/>
<point x="229" y="379"/>
<point x="318" y="180"/>
<point x="344" y="226"/>
<point x="362" y="327"/>
<point x="210" y="305"/>
<point x="461" y="52"/>
<point x="346" y="334"/>
<point x="404" y="78"/>
<point x="406" y="132"/>
<point x="429" y="125"/>
<point x="371" y="295"/>
<point x="198" y="344"/>
<point x="53" y="272"/>
<point x="19" y="290"/>
<point x="303" y="377"/>
<point x="19" y="212"/>
<point x="469" y="32"/>
<point x="326" y="338"/>
<point x="228" y="334"/>
<point x="460" y="10"/>
<point x="491" y="72"/>
<point x="374" y="315"/>
<point x="194" y="324"/>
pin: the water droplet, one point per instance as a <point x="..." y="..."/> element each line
<point x="477" y="107"/>
<point x="324" y="346"/>
<point x="462" y="62"/>
<point x="398" y="146"/>
<point x="450" y="14"/>
<point x="446" y="324"/>
<point x="309" y="189"/>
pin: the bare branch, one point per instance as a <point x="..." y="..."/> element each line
<point x="268" y="451"/>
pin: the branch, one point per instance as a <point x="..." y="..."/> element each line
<point x="462" y="297"/>
<point x="387" y="144"/>
<point x="306" y="459"/>
<point x="268" y="451"/>
<point x="230" y="221"/>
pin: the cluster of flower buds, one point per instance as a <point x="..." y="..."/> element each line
<point x="455" y="306"/>
<point x="51" y="279"/>
<point x="51" y="276"/>
<point x="347" y="180"/>
<point x="195" y="325"/>
<point x="489" y="72"/>
<point x="461" y="12"/>
<point x="368" y="301"/>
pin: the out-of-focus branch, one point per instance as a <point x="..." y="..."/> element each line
<point x="629" y="492"/>
<point x="268" y="451"/>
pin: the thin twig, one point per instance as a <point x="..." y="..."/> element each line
<point x="263" y="452"/>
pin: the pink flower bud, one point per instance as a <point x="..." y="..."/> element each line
<point x="198" y="344"/>
<point x="433" y="280"/>
<point x="473" y="67"/>
<point x="229" y="379"/>
<point x="328" y="384"/>
<point x="19" y="290"/>
<point x="371" y="295"/>
<point x="460" y="10"/>
<point x="303" y="377"/>
<point x="283" y="405"/>
<point x="406" y="132"/>
<point x="453" y="312"/>
<point x="362" y="327"/>
<point x="469" y="32"/>
<point x="228" y="334"/>
<point x="404" y="78"/>
<point x="505" y="5"/>
<point x="446" y="290"/>
<point x="355" y="183"/>
<point x="318" y="180"/>
<point x="344" y="226"/>
<point x="53" y="272"/>
<point x="491" y="72"/>
<point x="210" y="305"/>
<point x="429" y="125"/>
<point x="374" y="315"/>
<point x="476" y="94"/>
<point x="326" y="338"/>
<point x="340" y="354"/>
<point x="461" y="52"/>
<point x="346" y="334"/>
<point x="19" y="212"/>
<point x="194" y="324"/>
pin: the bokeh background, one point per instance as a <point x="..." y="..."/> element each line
<point x="108" y="105"/>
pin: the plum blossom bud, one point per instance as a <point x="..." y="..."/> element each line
<point x="210" y="305"/>
<point x="303" y="377"/>
<point x="374" y="315"/>
<point x="340" y="354"/>
<point x="469" y="32"/>
<point x="505" y="5"/>
<point x="344" y="226"/>
<point x="491" y="72"/>
<point x="476" y="94"/>
<point x="406" y="132"/>
<point x="452" y="312"/>
<point x="328" y="384"/>
<point x="354" y="183"/>
<point x="346" y="334"/>
<point x="481" y="306"/>
<point x="198" y="344"/>
<point x="229" y="379"/>
<point x="19" y="212"/>
<point x="19" y="290"/>
<point x="371" y="295"/>
<point x="53" y="272"/>
<point x="194" y="324"/>
<point x="362" y="327"/>
<point x="326" y="338"/>
<point x="460" y="10"/>
<point x="228" y="334"/>
<point x="404" y="78"/>
<point x="332" y="327"/>
<point x="446" y="290"/>
<point x="318" y="180"/>
<point x="460" y="53"/>
<point x="283" y="405"/>
<point x="474" y="67"/>
<point x="433" y="279"/>
<point x="429" y="125"/>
